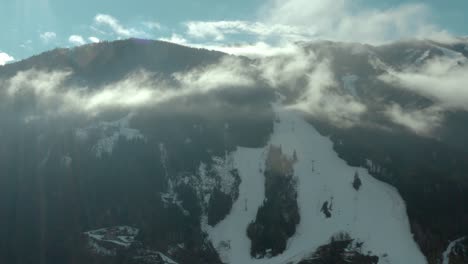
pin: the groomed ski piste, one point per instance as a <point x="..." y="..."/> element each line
<point x="375" y="214"/>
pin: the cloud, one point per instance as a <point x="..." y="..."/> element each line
<point x="310" y="85"/>
<point x="229" y="72"/>
<point x="175" y="39"/>
<point x="420" y="121"/>
<point x="76" y="40"/>
<point x="5" y="58"/>
<point x="133" y="91"/>
<point x="94" y="39"/>
<point x="37" y="82"/>
<point x="47" y="37"/>
<point x="348" y="21"/>
<point x="51" y="95"/>
<point x="26" y="44"/>
<point x="441" y="79"/>
<point x="117" y="28"/>
<point x="259" y="49"/>
<point x="219" y="29"/>
<point x="321" y="100"/>
<point x="152" y="25"/>
<point x="286" y="69"/>
<point x="341" y="20"/>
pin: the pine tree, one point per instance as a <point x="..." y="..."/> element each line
<point x="357" y="182"/>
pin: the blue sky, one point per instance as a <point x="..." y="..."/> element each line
<point x="31" y="26"/>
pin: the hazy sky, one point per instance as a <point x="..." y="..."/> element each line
<point x="31" y="26"/>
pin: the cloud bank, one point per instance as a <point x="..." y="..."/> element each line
<point x="49" y="93"/>
<point x="441" y="79"/>
<point x="420" y="121"/>
<point x="52" y="96"/>
<point x="321" y="101"/>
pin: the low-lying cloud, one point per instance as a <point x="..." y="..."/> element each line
<point x="312" y="85"/>
<point x="321" y="100"/>
<point x="441" y="79"/>
<point x="311" y="80"/>
<point x="51" y="94"/>
<point x="420" y="121"/>
<point x="230" y="72"/>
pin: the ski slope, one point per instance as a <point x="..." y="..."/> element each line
<point x="375" y="215"/>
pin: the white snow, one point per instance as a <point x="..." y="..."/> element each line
<point x="349" y="81"/>
<point x="448" y="251"/>
<point x="111" y="133"/>
<point x="120" y="236"/>
<point x="423" y="57"/>
<point x="114" y="130"/>
<point x="223" y="167"/>
<point x="229" y="236"/>
<point x="166" y="259"/>
<point x="375" y="215"/>
<point x="100" y="250"/>
<point x="151" y="256"/>
<point x="215" y="176"/>
<point x="378" y="64"/>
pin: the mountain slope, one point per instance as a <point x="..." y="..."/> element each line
<point x="214" y="158"/>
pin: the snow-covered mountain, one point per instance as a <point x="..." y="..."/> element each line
<point x="140" y="151"/>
